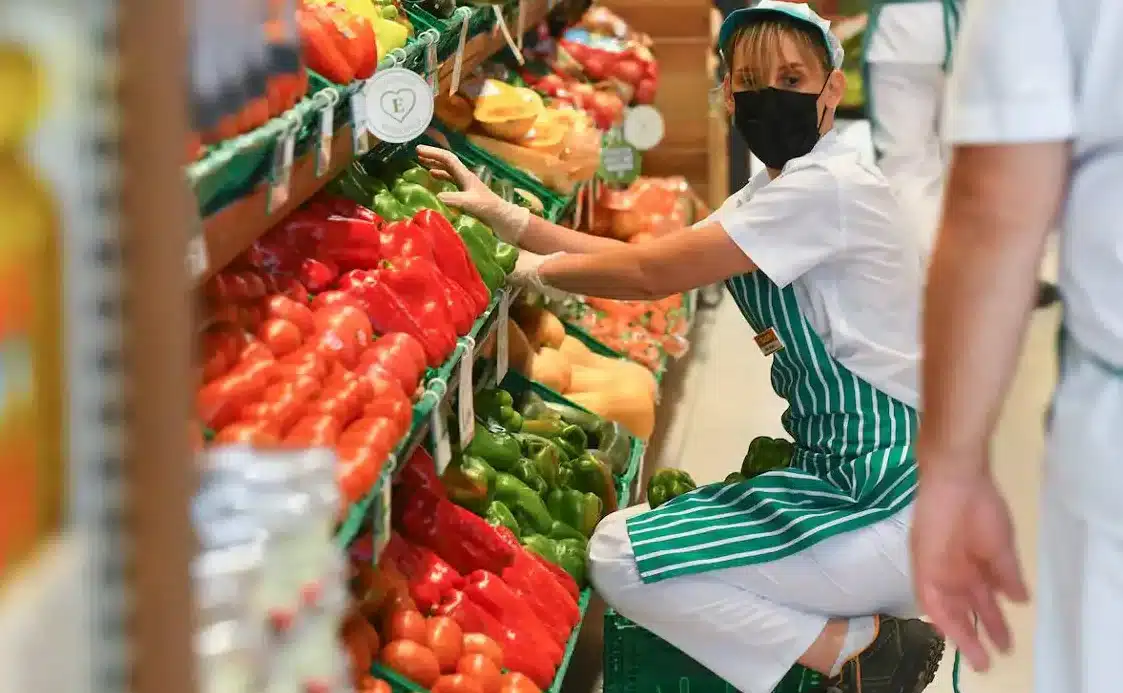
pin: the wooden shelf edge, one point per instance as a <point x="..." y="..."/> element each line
<point x="235" y="227"/>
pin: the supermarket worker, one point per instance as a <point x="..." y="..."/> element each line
<point x="808" y="564"/>
<point x="908" y="50"/>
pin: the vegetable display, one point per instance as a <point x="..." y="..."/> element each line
<point x="766" y="454"/>
<point x="666" y="484"/>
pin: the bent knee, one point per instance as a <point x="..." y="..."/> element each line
<point x="612" y="563"/>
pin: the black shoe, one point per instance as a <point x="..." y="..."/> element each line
<point x="1047" y="294"/>
<point x="903" y="658"/>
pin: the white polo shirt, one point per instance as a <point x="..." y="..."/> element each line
<point x="1052" y="70"/>
<point x="908" y="32"/>
<point x="829" y="225"/>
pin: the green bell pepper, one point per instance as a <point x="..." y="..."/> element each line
<point x="443" y="186"/>
<point x="560" y="530"/>
<point x="592" y="476"/>
<point x="548" y="463"/>
<point x="388" y="207"/>
<point x="347" y="185"/>
<point x="499" y="515"/>
<point x="498" y="406"/>
<point x="765" y="454"/>
<point x="506" y="256"/>
<point x="615" y="445"/>
<point x="482" y="257"/>
<point x="538" y="408"/>
<point x="415" y="198"/>
<point x="579" y="510"/>
<point x="526" y="471"/>
<point x="495" y="446"/>
<point x="666" y="484"/>
<point x="734" y="478"/>
<point x="527" y="507"/>
<point x="543" y="546"/>
<point x="419" y="175"/>
<point x="470" y="483"/>
<point x="570" y="438"/>
<point x="572" y="558"/>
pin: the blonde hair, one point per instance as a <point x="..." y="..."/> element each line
<point x="755" y="51"/>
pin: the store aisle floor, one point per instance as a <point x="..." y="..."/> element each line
<point x="727" y="400"/>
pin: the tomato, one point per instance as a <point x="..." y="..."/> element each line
<point x="482" y="669"/>
<point x="335" y="346"/>
<point x="378" y="686"/>
<point x="281" y="337"/>
<point x="223" y="341"/>
<point x="407" y="624"/>
<point x="284" y="308"/>
<point x="251" y="433"/>
<point x="627" y="71"/>
<point x="355" y="477"/>
<point x="219" y="402"/>
<point x="399" y="411"/>
<point x="457" y="683"/>
<point x="302" y="388"/>
<point x="254" y="352"/>
<point x="412" y="661"/>
<point x="250" y="284"/>
<point x="328" y="299"/>
<point x="358" y="655"/>
<point x="515" y="682"/>
<point x="307" y="357"/>
<point x="214" y="366"/>
<point x="250" y="316"/>
<point x="406" y="344"/>
<point x="444" y="637"/>
<point x="313" y="431"/>
<point x="377" y="437"/>
<point x="478" y="643"/>
<point x="219" y="288"/>
<point x="392" y="358"/>
<point x="294" y="289"/>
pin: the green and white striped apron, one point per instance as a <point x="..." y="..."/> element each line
<point x="854" y="461"/>
<point x="951" y="30"/>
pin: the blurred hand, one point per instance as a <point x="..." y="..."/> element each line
<point x="527" y="275"/>
<point x="507" y="220"/>
<point x="963" y="557"/>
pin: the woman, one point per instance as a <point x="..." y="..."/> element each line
<point x="804" y="564"/>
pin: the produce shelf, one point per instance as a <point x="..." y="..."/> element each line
<point x="439" y="384"/>
<point x="234" y="227"/>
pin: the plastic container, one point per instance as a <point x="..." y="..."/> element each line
<point x="637" y="661"/>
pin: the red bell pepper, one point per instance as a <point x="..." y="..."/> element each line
<point x="423" y="277"/>
<point x="328" y="204"/>
<point x="319" y="48"/>
<point x="389" y="313"/>
<point x="349" y="243"/>
<point x="420" y="472"/>
<point x="316" y="275"/>
<point x="560" y="576"/>
<point x="465" y="540"/>
<point x="519" y="654"/>
<point x="400" y="239"/>
<point x="526" y="575"/>
<point x="490" y="592"/>
<point x="428" y="577"/>
<point x="551" y="621"/>
<point x="452" y="258"/>
<point x="362" y="49"/>
<point x="425" y="302"/>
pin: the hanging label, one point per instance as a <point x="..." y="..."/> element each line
<point x="578" y="205"/>
<point x="442" y="446"/>
<point x="281" y="177"/>
<point x="466" y="410"/>
<point x="619" y="161"/>
<point x="381" y="529"/>
<point x="501" y="346"/>
<point x="433" y="65"/>
<point x="458" y="61"/>
<point x="399" y="105"/>
<point x="323" y="145"/>
<point x="592" y="206"/>
<point x="197" y="259"/>
<point x="643" y="127"/>
<point x="502" y="24"/>
<point x="520" y="26"/>
<point x="360" y="137"/>
<point x="769" y="342"/>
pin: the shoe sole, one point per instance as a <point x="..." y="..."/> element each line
<point x="931" y="666"/>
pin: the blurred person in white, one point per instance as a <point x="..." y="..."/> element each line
<point x="1036" y="119"/>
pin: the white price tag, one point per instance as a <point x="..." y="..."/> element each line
<point x="458" y="61"/>
<point x="520" y="26"/>
<point x="442" y="446"/>
<point x="197" y="260"/>
<point x="382" y="517"/>
<point x="502" y="24"/>
<point x="360" y="137"/>
<point x="323" y="145"/>
<point x="399" y="105"/>
<point x="502" y="354"/>
<point x="643" y="127"/>
<point x="466" y="410"/>
<point x="433" y="66"/>
<point x="281" y="177"/>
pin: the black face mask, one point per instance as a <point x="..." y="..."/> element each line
<point x="777" y="125"/>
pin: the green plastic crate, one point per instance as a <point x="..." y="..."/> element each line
<point x="637" y="661"/>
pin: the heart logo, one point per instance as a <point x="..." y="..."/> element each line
<point x="398" y="104"/>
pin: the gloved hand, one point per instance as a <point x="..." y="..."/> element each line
<point x="507" y="220"/>
<point x="526" y="274"/>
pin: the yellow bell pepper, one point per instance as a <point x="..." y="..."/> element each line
<point x="390" y="35"/>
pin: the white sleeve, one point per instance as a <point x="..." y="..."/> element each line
<point x="1013" y="76"/>
<point x="789" y="225"/>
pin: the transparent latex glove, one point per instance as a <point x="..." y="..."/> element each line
<point x="527" y="275"/>
<point x="507" y="220"/>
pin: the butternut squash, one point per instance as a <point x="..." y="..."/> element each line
<point x="551" y="369"/>
<point x="586" y="379"/>
<point x="541" y="326"/>
<point x="579" y="354"/>
<point x="519" y="351"/>
<point x="637" y="414"/>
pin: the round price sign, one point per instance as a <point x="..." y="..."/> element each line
<point x="399" y="105"/>
<point x="643" y="127"/>
<point x="619" y="160"/>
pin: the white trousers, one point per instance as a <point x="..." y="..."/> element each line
<point x="1080" y="575"/>
<point x="905" y="110"/>
<point x="750" y="624"/>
